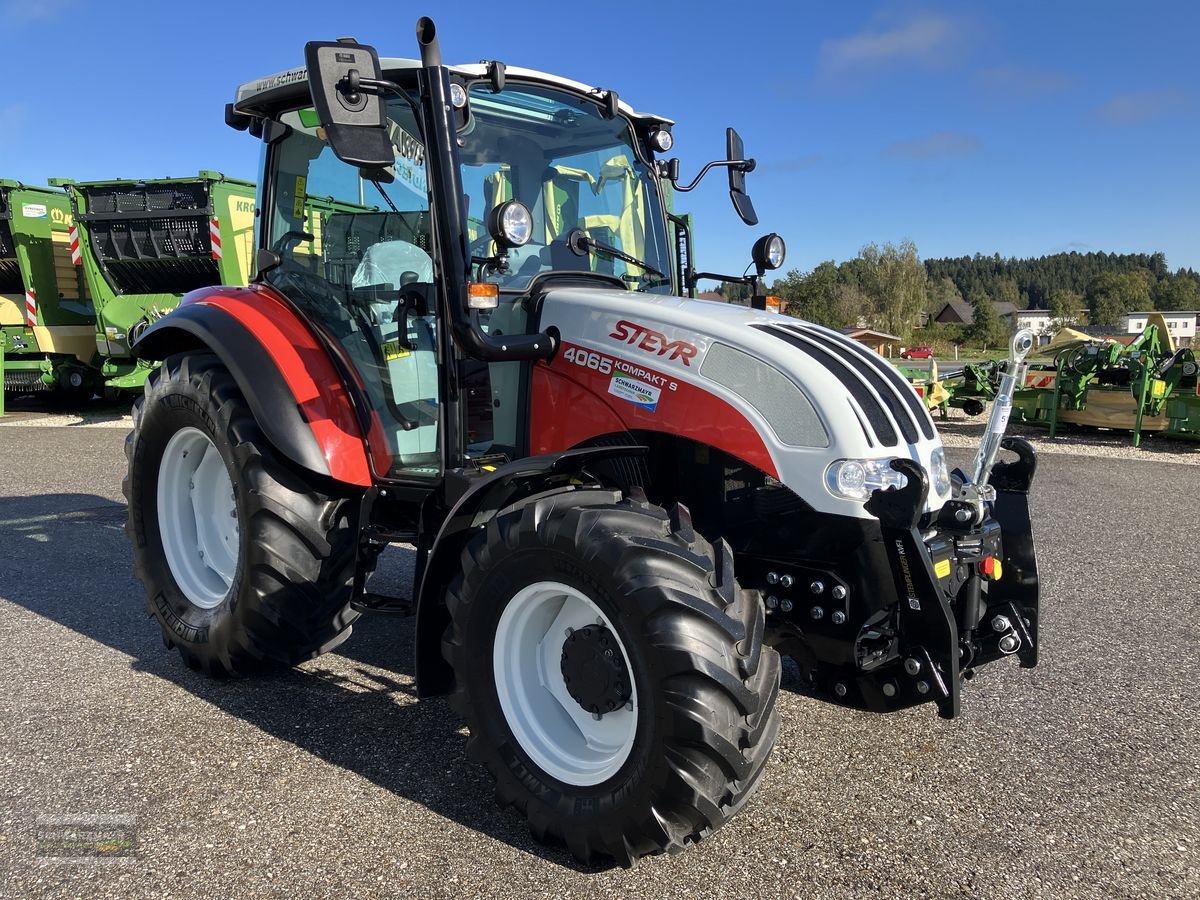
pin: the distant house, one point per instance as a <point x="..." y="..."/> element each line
<point x="876" y="340"/>
<point x="1181" y="325"/>
<point x="960" y="312"/>
<point x="1040" y="321"/>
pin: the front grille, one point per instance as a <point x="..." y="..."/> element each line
<point x="888" y="407"/>
<point x="881" y="425"/>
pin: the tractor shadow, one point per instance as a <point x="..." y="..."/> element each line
<point x="67" y="560"/>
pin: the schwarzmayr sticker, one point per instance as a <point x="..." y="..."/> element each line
<point x="644" y="395"/>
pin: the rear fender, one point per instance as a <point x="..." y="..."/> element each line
<point x="288" y="378"/>
<point x="484" y="499"/>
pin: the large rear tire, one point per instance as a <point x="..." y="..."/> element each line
<point x="612" y="673"/>
<point x="247" y="566"/>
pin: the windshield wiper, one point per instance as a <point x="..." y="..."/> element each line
<point x="579" y="244"/>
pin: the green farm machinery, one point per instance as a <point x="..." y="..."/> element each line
<point x="969" y="389"/>
<point x="47" y="338"/>
<point x="144" y="244"/>
<point x="1146" y="386"/>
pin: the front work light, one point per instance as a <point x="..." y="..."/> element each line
<point x="510" y="224"/>
<point x="855" y="479"/>
<point x="768" y="252"/>
<point x="662" y="140"/>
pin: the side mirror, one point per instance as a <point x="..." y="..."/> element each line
<point x="351" y="113"/>
<point x="736" y="150"/>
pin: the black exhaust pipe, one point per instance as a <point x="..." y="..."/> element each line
<point x="450" y="220"/>
<point x="431" y="51"/>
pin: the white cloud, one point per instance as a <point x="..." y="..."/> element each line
<point x="1136" y="107"/>
<point x="34" y="10"/>
<point x="933" y="146"/>
<point x="927" y="39"/>
<point x="1025" y="81"/>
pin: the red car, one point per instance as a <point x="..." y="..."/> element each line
<point x="922" y="352"/>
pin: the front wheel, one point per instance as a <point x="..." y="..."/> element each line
<point x="247" y="565"/>
<point x="612" y="673"/>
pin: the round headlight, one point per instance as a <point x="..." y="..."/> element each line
<point x="849" y="478"/>
<point x="458" y="95"/>
<point x="510" y="224"/>
<point x="769" y="251"/>
<point x="662" y="140"/>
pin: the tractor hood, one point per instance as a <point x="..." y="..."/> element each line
<point x="812" y="395"/>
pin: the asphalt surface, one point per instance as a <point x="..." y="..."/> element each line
<point x="1080" y="778"/>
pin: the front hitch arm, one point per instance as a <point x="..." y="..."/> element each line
<point x="927" y="626"/>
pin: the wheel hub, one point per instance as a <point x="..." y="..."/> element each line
<point x="594" y="670"/>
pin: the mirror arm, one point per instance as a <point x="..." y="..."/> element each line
<point x="746" y="165"/>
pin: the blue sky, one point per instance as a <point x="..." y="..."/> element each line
<point x="1021" y="128"/>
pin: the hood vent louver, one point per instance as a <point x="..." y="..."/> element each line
<point x="890" y="406"/>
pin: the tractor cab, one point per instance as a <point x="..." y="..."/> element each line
<point x="354" y="246"/>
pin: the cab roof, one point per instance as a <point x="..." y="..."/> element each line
<point x="274" y="92"/>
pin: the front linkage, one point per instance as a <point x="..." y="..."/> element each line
<point x="965" y="583"/>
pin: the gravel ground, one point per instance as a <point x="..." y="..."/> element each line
<point x="962" y="431"/>
<point x="1078" y="779"/>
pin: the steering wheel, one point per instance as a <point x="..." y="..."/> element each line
<point x="310" y="287"/>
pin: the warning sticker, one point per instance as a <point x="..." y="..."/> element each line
<point x="393" y="350"/>
<point x="34" y="210"/>
<point x="644" y="395"/>
<point x="298" y="197"/>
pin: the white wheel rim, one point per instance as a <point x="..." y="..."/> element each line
<point x="559" y="735"/>
<point x="197" y="517"/>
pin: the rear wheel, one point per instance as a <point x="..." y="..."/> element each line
<point x="611" y="673"/>
<point x="246" y="565"/>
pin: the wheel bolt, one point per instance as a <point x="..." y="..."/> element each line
<point x="816" y="612"/>
<point x="772" y="602"/>
<point x="787" y="580"/>
<point x="838" y="617"/>
<point x="1000" y="624"/>
<point x="817" y="587"/>
<point x="839" y="592"/>
<point x="786" y="605"/>
<point x="912" y="666"/>
<point x="772" y="578"/>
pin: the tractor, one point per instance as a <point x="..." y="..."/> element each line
<point x="626" y="504"/>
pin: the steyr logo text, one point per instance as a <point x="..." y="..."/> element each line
<point x="653" y="341"/>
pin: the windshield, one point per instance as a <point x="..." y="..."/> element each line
<point x="574" y="169"/>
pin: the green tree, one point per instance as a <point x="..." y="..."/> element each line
<point x="814" y="296"/>
<point x="988" y="329"/>
<point x="1112" y="294"/>
<point x="1066" y="309"/>
<point x="1176" y="294"/>
<point x="894" y="280"/>
<point x="941" y="292"/>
